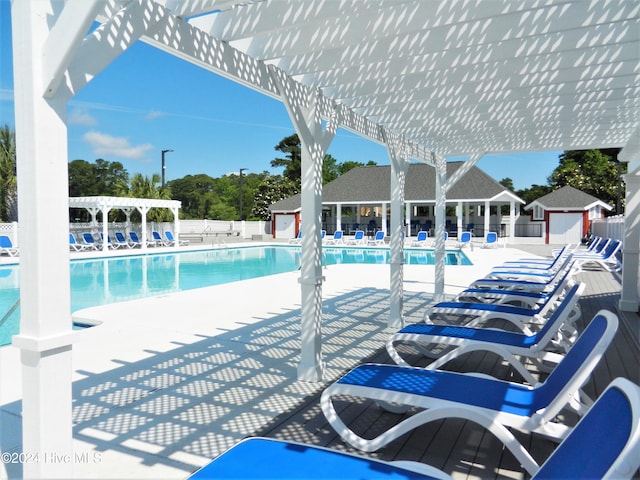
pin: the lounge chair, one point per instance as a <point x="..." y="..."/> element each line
<point x="6" y="246"/>
<point x="607" y="259"/>
<point x="420" y="240"/>
<point x="156" y="237"/>
<point x="267" y="458"/>
<point x="75" y="246"/>
<point x="496" y="405"/>
<point x="490" y="240"/>
<point x="527" y="283"/>
<point x="110" y="244"/>
<point x="172" y="241"/>
<point x="336" y="240"/>
<point x="463" y="339"/>
<point x="297" y="240"/>
<point x="137" y="242"/>
<point x="464" y="240"/>
<point x="531" y="273"/>
<point x="378" y="239"/>
<point x="357" y="239"/>
<point x="538" y="263"/>
<point x="585" y="453"/>
<point x="520" y="298"/>
<point x="476" y="314"/>
<point x="89" y="240"/>
<point x="122" y="241"/>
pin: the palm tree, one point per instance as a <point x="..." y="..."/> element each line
<point x="147" y="187"/>
<point x="8" y="180"/>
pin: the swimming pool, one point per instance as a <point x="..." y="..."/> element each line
<point x="116" y="279"/>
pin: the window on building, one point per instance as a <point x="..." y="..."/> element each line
<point x="538" y="212"/>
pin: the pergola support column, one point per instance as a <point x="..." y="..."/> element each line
<point x="304" y="111"/>
<point x="105" y="228"/>
<point x="630" y="293"/>
<point x="45" y="334"/>
<point x="176" y="227"/>
<point x="399" y="166"/>
<point x="143" y="226"/>
<point x="440" y="215"/>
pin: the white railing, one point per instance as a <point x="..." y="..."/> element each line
<point x="609" y="227"/>
<point x="244" y="229"/>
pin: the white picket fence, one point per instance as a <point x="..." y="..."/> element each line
<point x="610" y="227"/>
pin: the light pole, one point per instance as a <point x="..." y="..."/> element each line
<point x="241" y="170"/>
<point x="163" y="152"/>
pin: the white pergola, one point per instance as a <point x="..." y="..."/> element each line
<point x="105" y="204"/>
<point x="428" y="79"/>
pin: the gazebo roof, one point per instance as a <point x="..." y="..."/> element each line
<point x="121" y="202"/>
<point x="371" y="184"/>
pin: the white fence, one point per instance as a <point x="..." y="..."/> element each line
<point x="244" y="229"/>
<point x="610" y="227"/>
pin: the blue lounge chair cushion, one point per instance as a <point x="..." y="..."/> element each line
<point x="490" y="307"/>
<point x="498" y="396"/>
<point x="262" y="458"/>
<point x="576" y="458"/>
<point x="489" y="393"/>
<point x="512" y="339"/>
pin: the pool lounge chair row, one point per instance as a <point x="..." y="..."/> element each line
<point x="549" y="340"/>
<point x="90" y="242"/>
<point x="545" y="316"/>
<point x="604" y="444"/>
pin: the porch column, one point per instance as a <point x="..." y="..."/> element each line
<point x="45" y="334"/>
<point x="487" y="217"/>
<point x="339" y="216"/>
<point x="630" y="294"/>
<point x="399" y="166"/>
<point x="512" y="222"/>
<point x="459" y="213"/>
<point x="384" y="218"/>
<point x="304" y="111"/>
<point x="440" y="217"/>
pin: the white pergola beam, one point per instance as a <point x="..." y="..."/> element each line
<point x="64" y="40"/>
<point x="121" y="29"/>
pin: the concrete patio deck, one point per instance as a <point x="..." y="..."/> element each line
<point x="164" y="384"/>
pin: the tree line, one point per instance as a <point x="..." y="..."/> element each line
<point x="593" y="171"/>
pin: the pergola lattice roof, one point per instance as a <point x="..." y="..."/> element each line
<point x="456" y="77"/>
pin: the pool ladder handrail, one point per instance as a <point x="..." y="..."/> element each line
<point x="9" y="312"/>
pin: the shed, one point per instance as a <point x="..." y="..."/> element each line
<point x="567" y="213"/>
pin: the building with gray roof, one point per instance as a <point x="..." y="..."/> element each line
<point x="362" y="196"/>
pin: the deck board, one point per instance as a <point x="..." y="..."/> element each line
<point x="462" y="448"/>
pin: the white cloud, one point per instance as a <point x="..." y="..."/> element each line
<point x="153" y="114"/>
<point x="108" y="145"/>
<point x="80" y="116"/>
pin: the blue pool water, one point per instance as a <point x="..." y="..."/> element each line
<point x="110" y="280"/>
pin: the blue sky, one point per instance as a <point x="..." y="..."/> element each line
<point x="147" y="101"/>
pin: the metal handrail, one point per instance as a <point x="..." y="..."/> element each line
<point x="9" y="312"/>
